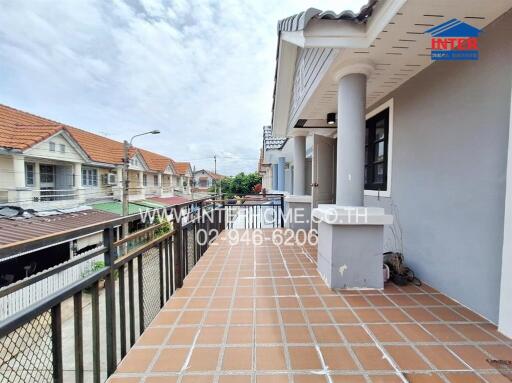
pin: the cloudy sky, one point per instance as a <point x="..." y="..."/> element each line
<point x="200" y="71"/>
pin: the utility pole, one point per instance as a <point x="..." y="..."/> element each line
<point x="126" y="163"/>
<point x="126" y="148"/>
<point x="215" y="171"/>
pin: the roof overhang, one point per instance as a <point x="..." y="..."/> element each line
<point x="391" y="44"/>
<point x="321" y="33"/>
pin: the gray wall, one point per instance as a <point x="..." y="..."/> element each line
<point x="449" y="166"/>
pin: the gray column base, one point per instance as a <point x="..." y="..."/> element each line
<point x="297" y="210"/>
<point x="350" y="256"/>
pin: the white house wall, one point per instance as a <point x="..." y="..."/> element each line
<point x="42" y="150"/>
<point x="451" y="126"/>
<point x="6" y="168"/>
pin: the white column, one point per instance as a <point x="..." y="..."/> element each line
<point x="141" y="179"/>
<point x="281" y="162"/>
<point x="18" y="167"/>
<point x="299" y="165"/>
<point x="77" y="173"/>
<point x="77" y="176"/>
<point x="37" y="176"/>
<point x="505" y="319"/>
<point x="160" y="185"/>
<point x="351" y="140"/>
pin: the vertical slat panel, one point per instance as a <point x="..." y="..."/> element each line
<point x="140" y="285"/>
<point x="131" y="302"/>
<point x="122" y="310"/>
<point x="171" y="264"/>
<point x="95" y="333"/>
<point x="57" y="343"/>
<point x="79" y="337"/>
<point x="161" y="272"/>
<point x="177" y="251"/>
<point x="167" y="269"/>
<point x="110" y="301"/>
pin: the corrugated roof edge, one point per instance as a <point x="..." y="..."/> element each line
<point x="299" y="21"/>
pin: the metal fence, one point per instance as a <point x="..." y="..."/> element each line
<point x="125" y="295"/>
<point x="255" y="212"/>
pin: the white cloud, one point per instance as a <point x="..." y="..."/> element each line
<point x="200" y="71"/>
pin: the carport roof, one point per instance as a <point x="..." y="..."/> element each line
<point x="21" y="229"/>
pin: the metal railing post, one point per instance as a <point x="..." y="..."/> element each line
<point x="177" y="250"/>
<point x="110" y="300"/>
<point x="57" y="343"/>
<point x="282" y="210"/>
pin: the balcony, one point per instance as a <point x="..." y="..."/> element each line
<point x="263" y="312"/>
<point x="182" y="307"/>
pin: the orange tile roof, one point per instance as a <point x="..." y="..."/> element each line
<point x="155" y="161"/>
<point x="182" y="167"/>
<point x="22" y="130"/>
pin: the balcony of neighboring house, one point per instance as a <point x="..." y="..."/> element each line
<point x="167" y="185"/>
<point x="40" y="184"/>
<point x="153" y="184"/>
<point x="136" y="187"/>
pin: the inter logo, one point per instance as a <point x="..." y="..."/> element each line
<point x="454" y="40"/>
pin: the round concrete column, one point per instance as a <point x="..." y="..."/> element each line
<point x="281" y="161"/>
<point x="274" y="177"/>
<point x="299" y="165"/>
<point x="351" y="140"/>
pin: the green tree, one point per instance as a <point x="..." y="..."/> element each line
<point x="241" y="184"/>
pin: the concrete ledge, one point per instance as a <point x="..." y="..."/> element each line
<point x="352" y="215"/>
<point x="298" y="198"/>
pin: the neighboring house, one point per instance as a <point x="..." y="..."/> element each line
<point x="387" y="127"/>
<point x="184" y="177"/>
<point x="45" y="164"/>
<point x="204" y="180"/>
<point x="276" y="158"/>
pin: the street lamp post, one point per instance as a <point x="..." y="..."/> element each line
<point x="126" y="182"/>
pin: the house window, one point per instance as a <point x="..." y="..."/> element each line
<point x="89" y="177"/>
<point x="145" y="180"/>
<point x="52" y="146"/>
<point x="155" y="180"/>
<point x="376" y="151"/>
<point x="29" y="174"/>
<point x="47" y="174"/>
<point x="62" y="148"/>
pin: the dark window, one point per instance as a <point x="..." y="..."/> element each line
<point x="376" y="152"/>
<point x="29" y="174"/>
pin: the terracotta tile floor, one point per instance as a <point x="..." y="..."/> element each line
<point x="261" y="314"/>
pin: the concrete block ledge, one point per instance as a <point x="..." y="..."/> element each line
<point x="352" y="215"/>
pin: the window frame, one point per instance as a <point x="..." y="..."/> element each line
<point x="144" y="180"/>
<point x="91" y="177"/>
<point x="33" y="171"/>
<point x="52" y="146"/>
<point x="389" y="147"/>
<point x="155" y="179"/>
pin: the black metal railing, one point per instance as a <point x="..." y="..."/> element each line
<point x="125" y="295"/>
<point x="255" y="212"/>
